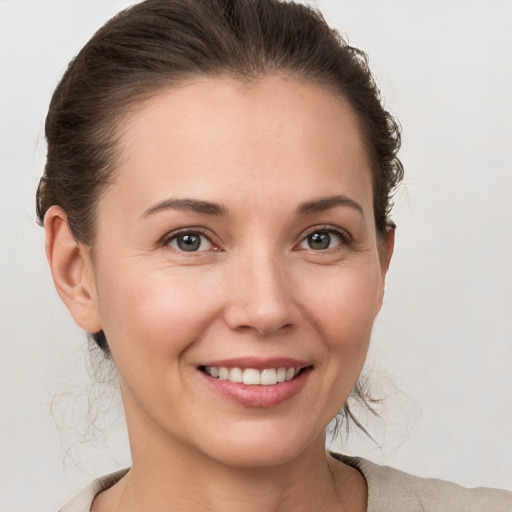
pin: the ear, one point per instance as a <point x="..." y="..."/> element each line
<point x="385" y="253"/>
<point x="388" y="246"/>
<point x="72" y="270"/>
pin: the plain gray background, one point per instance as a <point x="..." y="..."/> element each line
<point x="445" y="332"/>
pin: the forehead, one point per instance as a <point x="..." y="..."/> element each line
<point x="220" y="137"/>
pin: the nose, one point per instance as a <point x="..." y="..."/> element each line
<point x="261" y="296"/>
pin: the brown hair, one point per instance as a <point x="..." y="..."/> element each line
<point x="160" y="43"/>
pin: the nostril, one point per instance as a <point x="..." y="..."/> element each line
<point x="278" y="328"/>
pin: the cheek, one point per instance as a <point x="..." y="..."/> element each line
<point x="154" y="313"/>
<point x="344" y="306"/>
<point x="349" y="298"/>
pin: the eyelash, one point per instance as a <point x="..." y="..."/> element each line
<point x="166" y="241"/>
<point x="342" y="234"/>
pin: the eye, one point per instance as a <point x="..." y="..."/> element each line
<point x="190" y="241"/>
<point x="321" y="240"/>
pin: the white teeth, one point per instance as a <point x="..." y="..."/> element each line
<point x="269" y="377"/>
<point x="251" y="376"/>
<point x="235" y="375"/>
<point x="290" y="373"/>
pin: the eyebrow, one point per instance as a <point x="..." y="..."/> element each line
<point x="192" y="205"/>
<point x="326" y="203"/>
<point x="209" y="208"/>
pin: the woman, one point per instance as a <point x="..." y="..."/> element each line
<point x="216" y="203"/>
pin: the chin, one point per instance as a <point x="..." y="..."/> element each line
<point x="256" y="456"/>
<point x="263" y="446"/>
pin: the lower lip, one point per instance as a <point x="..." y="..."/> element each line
<point x="258" y="396"/>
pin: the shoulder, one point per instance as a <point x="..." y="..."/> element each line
<point x="83" y="500"/>
<point x="391" y="490"/>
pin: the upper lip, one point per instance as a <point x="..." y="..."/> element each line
<point x="259" y="363"/>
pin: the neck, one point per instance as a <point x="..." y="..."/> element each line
<point x="307" y="483"/>
<point x="168" y="475"/>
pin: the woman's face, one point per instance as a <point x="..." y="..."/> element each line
<point x="238" y="234"/>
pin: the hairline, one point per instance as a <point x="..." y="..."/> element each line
<point x="149" y="89"/>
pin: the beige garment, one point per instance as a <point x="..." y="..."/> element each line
<point x="83" y="500"/>
<point x="389" y="490"/>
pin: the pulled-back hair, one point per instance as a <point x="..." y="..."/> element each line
<point x="158" y="44"/>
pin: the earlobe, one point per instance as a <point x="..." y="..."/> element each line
<point x="72" y="270"/>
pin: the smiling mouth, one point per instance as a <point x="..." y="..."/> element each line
<point x="253" y="376"/>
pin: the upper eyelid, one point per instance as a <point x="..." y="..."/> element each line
<point x="200" y="231"/>
<point x="343" y="233"/>
<point x="328" y="228"/>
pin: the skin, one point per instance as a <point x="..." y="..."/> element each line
<point x="254" y="289"/>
